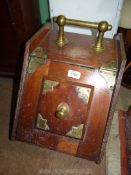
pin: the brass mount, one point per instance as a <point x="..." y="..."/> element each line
<point x="102" y="27"/>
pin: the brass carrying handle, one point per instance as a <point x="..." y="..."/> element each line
<point x="102" y="27"/>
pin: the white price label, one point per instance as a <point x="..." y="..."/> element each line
<point x="74" y="74"/>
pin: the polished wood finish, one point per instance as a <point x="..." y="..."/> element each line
<point x="19" y="20"/>
<point x="96" y="116"/>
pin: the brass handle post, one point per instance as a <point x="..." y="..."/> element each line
<point x="102" y="27"/>
<point x="61" y="21"/>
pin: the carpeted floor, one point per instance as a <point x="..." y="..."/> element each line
<point x="17" y="158"/>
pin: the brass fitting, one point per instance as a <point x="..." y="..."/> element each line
<point x="102" y="27"/>
<point x="62" y="110"/>
<point x="61" y="21"/>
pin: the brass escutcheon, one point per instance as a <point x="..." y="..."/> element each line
<point x="62" y="110"/>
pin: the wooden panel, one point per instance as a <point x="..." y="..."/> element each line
<point x="78" y="49"/>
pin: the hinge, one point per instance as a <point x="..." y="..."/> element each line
<point x="36" y="59"/>
<point x="109" y="72"/>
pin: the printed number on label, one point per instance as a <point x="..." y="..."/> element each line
<point x="74" y="74"/>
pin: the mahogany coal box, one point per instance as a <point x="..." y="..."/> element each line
<point x="67" y="94"/>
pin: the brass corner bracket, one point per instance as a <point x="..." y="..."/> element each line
<point x="102" y="27"/>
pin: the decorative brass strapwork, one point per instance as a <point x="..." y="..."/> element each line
<point x="102" y="27"/>
<point x="36" y="59"/>
<point x="76" y="131"/>
<point x="41" y="122"/>
<point x="109" y="73"/>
